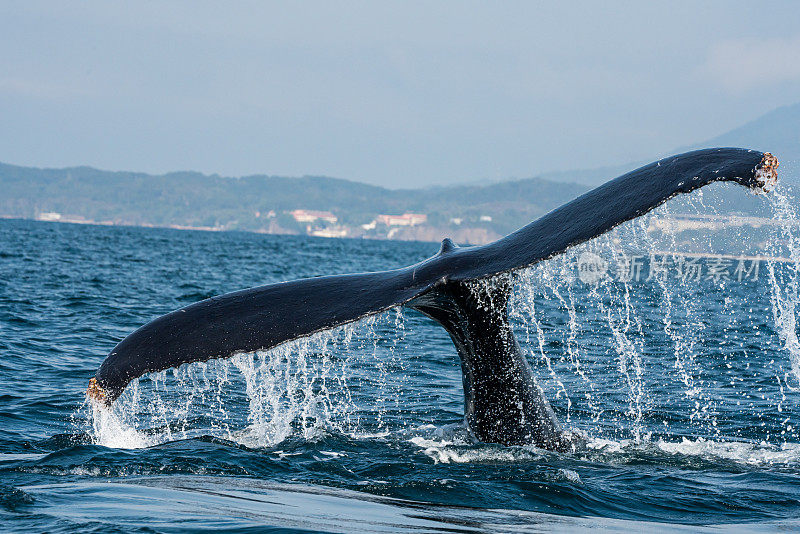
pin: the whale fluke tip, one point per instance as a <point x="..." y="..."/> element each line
<point x="766" y="175"/>
<point x="97" y="394"/>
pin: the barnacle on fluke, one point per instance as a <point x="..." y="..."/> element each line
<point x="96" y="393"/>
<point x="767" y="172"/>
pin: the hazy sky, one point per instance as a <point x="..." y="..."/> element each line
<point x="397" y="94"/>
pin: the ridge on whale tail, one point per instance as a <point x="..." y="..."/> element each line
<point x="502" y="402"/>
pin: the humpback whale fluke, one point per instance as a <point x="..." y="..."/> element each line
<point x="502" y="402"/>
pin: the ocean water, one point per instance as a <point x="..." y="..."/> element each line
<point x="680" y="363"/>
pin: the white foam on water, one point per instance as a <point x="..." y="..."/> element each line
<point x="446" y="452"/>
<point x="747" y="453"/>
<point x="110" y="431"/>
<point x="443" y="450"/>
<point x="111" y="427"/>
<point x="571" y="476"/>
<point x="759" y="454"/>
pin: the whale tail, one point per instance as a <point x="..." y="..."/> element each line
<point x="503" y="403"/>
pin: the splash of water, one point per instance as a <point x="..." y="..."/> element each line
<point x="612" y="321"/>
<point x="784" y="277"/>
<point x="621" y="357"/>
<point x="306" y="388"/>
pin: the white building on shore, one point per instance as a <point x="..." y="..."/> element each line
<point x="406" y="219"/>
<point x="308" y="216"/>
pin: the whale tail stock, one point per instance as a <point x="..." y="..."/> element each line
<point x="503" y="403"/>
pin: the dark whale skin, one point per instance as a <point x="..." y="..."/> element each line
<point x="503" y="404"/>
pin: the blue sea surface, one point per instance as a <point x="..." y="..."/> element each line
<point x="686" y="390"/>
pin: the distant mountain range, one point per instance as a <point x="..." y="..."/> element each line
<point x="468" y="213"/>
<point x="263" y="203"/>
<point x="777" y="131"/>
